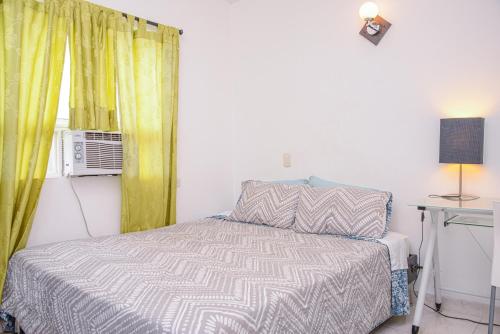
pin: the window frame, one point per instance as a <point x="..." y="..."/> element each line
<point x="55" y="168"/>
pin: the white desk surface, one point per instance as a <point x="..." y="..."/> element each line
<point x="480" y="205"/>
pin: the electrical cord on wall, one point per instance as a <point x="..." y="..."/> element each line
<point x="81" y="207"/>
<point x="418" y="275"/>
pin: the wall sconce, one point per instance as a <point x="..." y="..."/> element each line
<point x="375" y="26"/>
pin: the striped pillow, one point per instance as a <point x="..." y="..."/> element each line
<point x="266" y="203"/>
<point x="348" y="211"/>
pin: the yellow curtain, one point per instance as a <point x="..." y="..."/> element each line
<point x="93" y="82"/>
<point x="33" y="38"/>
<point x="147" y="68"/>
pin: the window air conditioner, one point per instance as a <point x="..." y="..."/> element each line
<point x="92" y="153"/>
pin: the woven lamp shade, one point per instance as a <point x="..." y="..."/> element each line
<point x="461" y="141"/>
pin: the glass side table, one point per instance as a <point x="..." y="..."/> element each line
<point x="467" y="213"/>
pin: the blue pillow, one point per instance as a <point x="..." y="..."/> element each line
<point x="291" y="182"/>
<point x="317" y="182"/>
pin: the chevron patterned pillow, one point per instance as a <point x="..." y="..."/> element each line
<point x="266" y="203"/>
<point x="349" y="211"/>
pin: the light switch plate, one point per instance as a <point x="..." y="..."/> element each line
<point x="287" y="160"/>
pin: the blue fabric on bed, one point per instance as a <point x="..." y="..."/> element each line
<point x="400" y="304"/>
<point x="7" y="323"/>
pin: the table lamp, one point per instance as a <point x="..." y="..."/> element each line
<point x="461" y="142"/>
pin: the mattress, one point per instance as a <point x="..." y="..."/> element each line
<point x="209" y="276"/>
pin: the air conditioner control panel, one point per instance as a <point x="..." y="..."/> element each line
<point x="78" y="154"/>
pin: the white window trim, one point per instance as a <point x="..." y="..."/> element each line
<point x="55" y="163"/>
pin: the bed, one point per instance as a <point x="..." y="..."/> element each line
<point x="209" y="276"/>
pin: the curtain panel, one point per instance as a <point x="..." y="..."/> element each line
<point x="147" y="69"/>
<point x="93" y="81"/>
<point x="32" y="44"/>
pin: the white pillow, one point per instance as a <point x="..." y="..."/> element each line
<point x="349" y="211"/>
<point x="266" y="203"/>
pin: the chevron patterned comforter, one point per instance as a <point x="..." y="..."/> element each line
<point x="210" y="276"/>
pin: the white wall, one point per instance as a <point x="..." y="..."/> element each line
<point x="204" y="168"/>
<point x="307" y="84"/>
<point x="58" y="215"/>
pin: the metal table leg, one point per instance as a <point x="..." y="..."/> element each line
<point x="492" y="309"/>
<point x="437" y="273"/>
<point x="426" y="271"/>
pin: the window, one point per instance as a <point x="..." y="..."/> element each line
<point x="55" y="166"/>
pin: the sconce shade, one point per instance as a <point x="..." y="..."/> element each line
<point x="368" y="11"/>
<point x="461" y="141"/>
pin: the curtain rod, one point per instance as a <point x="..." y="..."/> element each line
<point x="152" y="23"/>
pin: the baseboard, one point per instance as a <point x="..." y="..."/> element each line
<point x="467" y="296"/>
<point x="453" y="294"/>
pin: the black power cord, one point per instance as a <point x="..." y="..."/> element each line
<point x="422" y="218"/>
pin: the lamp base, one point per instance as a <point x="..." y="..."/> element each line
<point x="456" y="197"/>
<point x="460" y="197"/>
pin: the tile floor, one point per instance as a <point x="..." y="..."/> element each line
<point x="433" y="323"/>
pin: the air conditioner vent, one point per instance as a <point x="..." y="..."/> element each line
<point x="101" y="155"/>
<point x="104" y="136"/>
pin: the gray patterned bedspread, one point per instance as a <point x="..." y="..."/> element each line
<point x="210" y="276"/>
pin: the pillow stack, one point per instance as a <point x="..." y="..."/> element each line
<point x="337" y="209"/>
